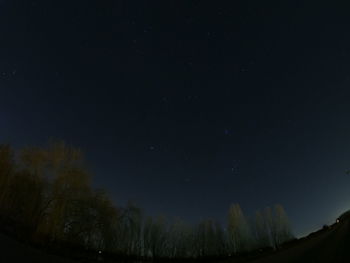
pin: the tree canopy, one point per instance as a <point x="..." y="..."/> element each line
<point x="48" y="191"/>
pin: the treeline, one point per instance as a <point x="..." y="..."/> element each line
<point x="48" y="192"/>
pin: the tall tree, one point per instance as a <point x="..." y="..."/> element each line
<point x="238" y="230"/>
<point x="155" y="237"/>
<point x="130" y="230"/>
<point x="270" y="226"/>
<point x="261" y="231"/>
<point x="282" y="225"/>
<point x="68" y="182"/>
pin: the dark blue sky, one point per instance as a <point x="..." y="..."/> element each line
<point x="188" y="106"/>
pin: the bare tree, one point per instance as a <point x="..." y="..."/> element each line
<point x="155" y="236"/>
<point x="261" y="231"/>
<point x="282" y="225"/>
<point x="48" y="190"/>
<point x="238" y="230"/>
<point x="180" y="240"/>
<point x="129" y="231"/>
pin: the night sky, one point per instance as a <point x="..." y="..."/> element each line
<point x="185" y="107"/>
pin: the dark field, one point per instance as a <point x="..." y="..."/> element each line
<point x="329" y="245"/>
<point x="15" y="251"/>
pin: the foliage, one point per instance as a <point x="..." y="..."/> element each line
<point x="48" y="191"/>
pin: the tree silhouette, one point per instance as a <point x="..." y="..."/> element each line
<point x="282" y="225"/>
<point x="47" y="191"/>
<point x="261" y="231"/>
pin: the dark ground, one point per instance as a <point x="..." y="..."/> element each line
<point x="331" y="245"/>
<point x="12" y="250"/>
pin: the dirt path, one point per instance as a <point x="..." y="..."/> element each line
<point x="331" y="246"/>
